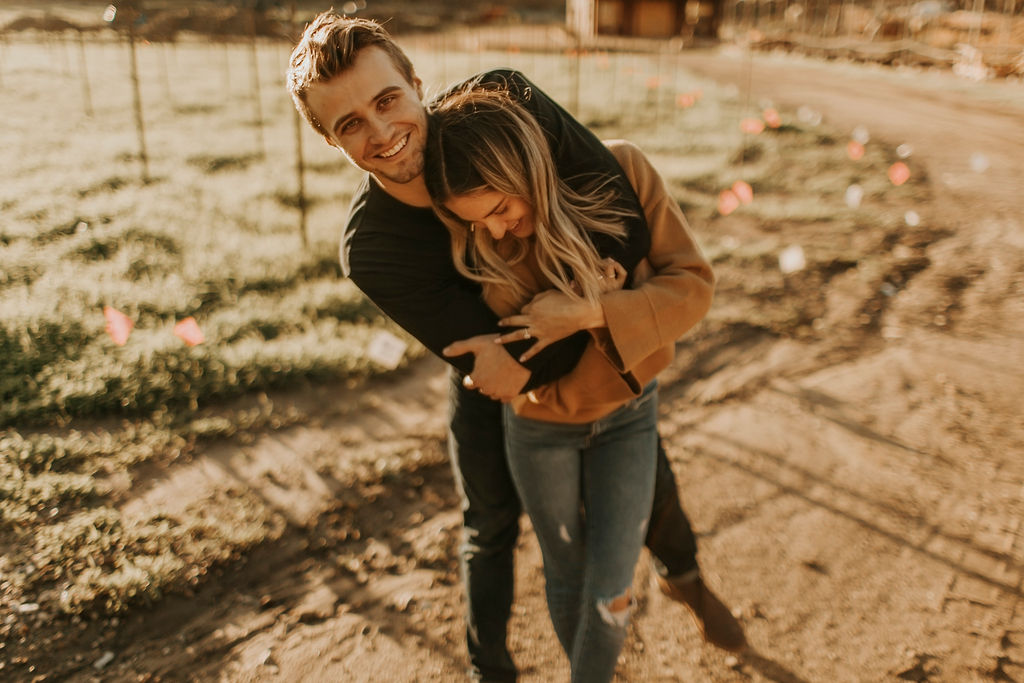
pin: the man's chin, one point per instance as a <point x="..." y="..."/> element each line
<point x="402" y="176"/>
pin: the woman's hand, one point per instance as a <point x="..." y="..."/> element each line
<point x="552" y="315"/>
<point x="613" y="276"/>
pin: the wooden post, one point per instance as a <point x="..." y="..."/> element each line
<point x="165" y="74"/>
<point x="86" y="92"/>
<point x="60" y="45"/>
<point x="227" y="69"/>
<point x="3" y="50"/>
<point x="137" y="97"/>
<point x="254" y="68"/>
<point x="975" y="33"/>
<point x="300" y="166"/>
<point x="300" y="174"/>
<point x="574" y="102"/>
<point x="656" y="90"/>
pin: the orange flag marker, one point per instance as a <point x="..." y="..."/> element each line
<point x="899" y="173"/>
<point x="685" y="99"/>
<point x="854" y="150"/>
<point x="188" y="331"/>
<point x="727" y="202"/>
<point x="119" y="326"/>
<point x="743" y="191"/>
<point x="752" y="126"/>
<point x="772" y="118"/>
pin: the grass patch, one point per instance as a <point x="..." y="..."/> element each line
<point x="213" y="164"/>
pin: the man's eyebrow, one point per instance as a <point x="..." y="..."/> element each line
<point x="384" y="91"/>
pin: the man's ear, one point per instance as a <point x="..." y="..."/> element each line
<point x="418" y="84"/>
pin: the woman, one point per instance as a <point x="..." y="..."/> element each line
<point x="589" y="439"/>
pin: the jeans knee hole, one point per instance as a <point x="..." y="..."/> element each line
<point x="615" y="611"/>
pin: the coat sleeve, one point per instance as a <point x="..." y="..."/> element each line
<point x="663" y="307"/>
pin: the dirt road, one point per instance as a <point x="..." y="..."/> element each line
<point x="858" y="495"/>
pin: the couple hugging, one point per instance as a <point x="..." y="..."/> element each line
<point x="555" y="273"/>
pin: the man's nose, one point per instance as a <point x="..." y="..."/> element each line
<point x="380" y="129"/>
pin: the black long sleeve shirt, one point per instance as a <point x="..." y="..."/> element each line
<point x="400" y="255"/>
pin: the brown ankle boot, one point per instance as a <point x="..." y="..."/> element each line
<point x="716" y="623"/>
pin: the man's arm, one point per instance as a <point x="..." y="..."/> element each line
<point x="417" y="285"/>
<point x="400" y="257"/>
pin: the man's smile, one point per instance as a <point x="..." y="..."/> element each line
<point x="399" y="146"/>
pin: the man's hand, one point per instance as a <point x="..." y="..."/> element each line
<point x="496" y="373"/>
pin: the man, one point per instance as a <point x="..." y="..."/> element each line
<point x="357" y="88"/>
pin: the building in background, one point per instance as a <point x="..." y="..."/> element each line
<point x="644" y="18"/>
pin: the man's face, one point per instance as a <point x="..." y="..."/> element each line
<point x="374" y="116"/>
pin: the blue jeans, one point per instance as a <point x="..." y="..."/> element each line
<point x="490" y="526"/>
<point x="588" y="489"/>
<point x="491" y="509"/>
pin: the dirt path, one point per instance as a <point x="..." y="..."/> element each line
<point x="861" y="509"/>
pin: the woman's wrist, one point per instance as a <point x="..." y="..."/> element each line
<point x="591" y="315"/>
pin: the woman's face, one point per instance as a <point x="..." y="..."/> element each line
<point x="501" y="214"/>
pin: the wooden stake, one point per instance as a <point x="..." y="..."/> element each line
<point x="300" y="166"/>
<point x="227" y="70"/>
<point x="137" y="100"/>
<point x="574" y="102"/>
<point x="975" y="33"/>
<point x="257" y="105"/>
<point x="300" y="173"/>
<point x="166" y="75"/>
<point x="86" y="92"/>
<point x="3" y="50"/>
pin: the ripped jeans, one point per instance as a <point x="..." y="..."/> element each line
<point x="588" y="490"/>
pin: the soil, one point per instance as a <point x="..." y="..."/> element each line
<point x="858" y="497"/>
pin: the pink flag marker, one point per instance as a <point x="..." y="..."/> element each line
<point x="188" y="331"/>
<point x="899" y="173"/>
<point x="743" y="191"/>
<point x="119" y="326"/>
<point x="727" y="202"/>
<point x="685" y="99"/>
<point x="752" y="126"/>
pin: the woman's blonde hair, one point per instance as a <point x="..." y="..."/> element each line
<point x="480" y="138"/>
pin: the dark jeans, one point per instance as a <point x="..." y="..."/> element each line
<point x="491" y="509"/>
